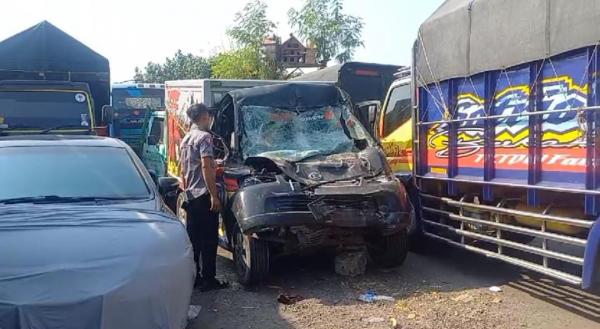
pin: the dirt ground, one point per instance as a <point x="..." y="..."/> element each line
<point x="437" y="287"/>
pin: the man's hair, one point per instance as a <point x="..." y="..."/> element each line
<point x="194" y="111"/>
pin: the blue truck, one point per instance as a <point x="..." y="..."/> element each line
<point x="131" y="110"/>
<point x="505" y="136"/>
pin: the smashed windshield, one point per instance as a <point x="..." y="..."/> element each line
<point x="295" y="134"/>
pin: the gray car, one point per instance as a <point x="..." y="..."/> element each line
<point x="86" y="240"/>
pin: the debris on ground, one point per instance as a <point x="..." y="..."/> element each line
<point x="289" y="299"/>
<point x="351" y="263"/>
<point x="373" y="320"/>
<point x="495" y="289"/>
<point x="193" y="312"/>
<point x="370" y="297"/>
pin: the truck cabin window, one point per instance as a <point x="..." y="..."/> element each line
<point x="44" y="109"/>
<point x="156" y="131"/>
<point x="297" y="134"/>
<point x="138" y="99"/>
<point x="398" y="109"/>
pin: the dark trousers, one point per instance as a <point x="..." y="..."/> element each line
<point x="203" y="230"/>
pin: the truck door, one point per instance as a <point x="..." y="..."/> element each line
<point x="154" y="155"/>
<point x="395" y="129"/>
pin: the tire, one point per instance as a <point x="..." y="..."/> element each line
<point x="181" y="213"/>
<point x="251" y="258"/>
<point x="391" y="250"/>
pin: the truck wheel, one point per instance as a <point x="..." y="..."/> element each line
<point x="181" y="213"/>
<point x="391" y="250"/>
<point x="251" y="258"/>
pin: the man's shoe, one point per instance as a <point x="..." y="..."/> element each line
<point x="212" y="284"/>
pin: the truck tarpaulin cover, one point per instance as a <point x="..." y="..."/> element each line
<point x="466" y="37"/>
<point x="92" y="267"/>
<point x="44" y="47"/>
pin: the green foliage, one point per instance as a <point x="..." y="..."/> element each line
<point x="244" y="63"/>
<point x="249" y="60"/>
<point x="251" y="25"/>
<point x="180" y="66"/>
<point x="334" y="34"/>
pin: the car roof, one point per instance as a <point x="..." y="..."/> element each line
<point x="60" y="140"/>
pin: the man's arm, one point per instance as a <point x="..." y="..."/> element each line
<point x="209" y="173"/>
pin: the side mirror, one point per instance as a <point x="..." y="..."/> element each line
<point x="167" y="185"/>
<point x="368" y="112"/>
<point x="152" y="140"/>
<point x="107" y="113"/>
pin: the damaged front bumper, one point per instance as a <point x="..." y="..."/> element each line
<point x="376" y="206"/>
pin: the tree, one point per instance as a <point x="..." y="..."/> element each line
<point x="334" y="34"/>
<point x="251" y="25"/>
<point x="248" y="60"/>
<point x="180" y="66"/>
<point x="244" y="63"/>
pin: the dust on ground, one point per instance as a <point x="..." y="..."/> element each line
<point x="437" y="287"/>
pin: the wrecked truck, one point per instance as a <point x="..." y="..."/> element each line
<point x="303" y="174"/>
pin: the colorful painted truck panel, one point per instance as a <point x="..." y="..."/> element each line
<point x="506" y="155"/>
<point x="179" y="95"/>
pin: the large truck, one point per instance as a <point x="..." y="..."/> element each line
<point x="50" y="82"/>
<point x="366" y="83"/>
<point x="505" y="129"/>
<point x="132" y="105"/>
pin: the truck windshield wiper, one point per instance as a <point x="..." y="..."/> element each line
<point x="47" y="130"/>
<point x="63" y="199"/>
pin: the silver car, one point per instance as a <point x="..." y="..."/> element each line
<point x="86" y="240"/>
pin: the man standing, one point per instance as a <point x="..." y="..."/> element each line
<point x="203" y="203"/>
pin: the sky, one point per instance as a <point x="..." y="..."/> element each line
<point x="131" y="33"/>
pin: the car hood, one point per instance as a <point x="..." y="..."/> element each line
<point x="320" y="169"/>
<point x="64" y="266"/>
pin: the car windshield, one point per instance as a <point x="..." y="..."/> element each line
<point x="69" y="172"/>
<point x="43" y="109"/>
<point x="296" y="134"/>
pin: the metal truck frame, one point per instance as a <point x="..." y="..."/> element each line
<point x="507" y="160"/>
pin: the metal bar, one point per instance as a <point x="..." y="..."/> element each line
<point x="513" y="212"/>
<point x="489" y="131"/>
<point x="503" y="116"/>
<point x="507" y="227"/>
<point x="534" y="172"/>
<point x="452" y="137"/>
<point x="515" y="245"/>
<point x="566" y="277"/>
<point x="547" y="188"/>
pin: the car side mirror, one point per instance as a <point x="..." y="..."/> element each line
<point x="167" y="185"/>
<point x="152" y="140"/>
<point x="107" y="113"/>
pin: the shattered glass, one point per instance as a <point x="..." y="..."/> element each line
<point x="296" y="134"/>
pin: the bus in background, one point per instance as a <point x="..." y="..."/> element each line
<point x="366" y="83"/>
<point x="132" y="106"/>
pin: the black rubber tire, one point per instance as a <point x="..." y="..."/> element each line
<point x="391" y="250"/>
<point x="180" y="212"/>
<point x="251" y="258"/>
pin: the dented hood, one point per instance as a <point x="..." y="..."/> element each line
<point x="322" y="169"/>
